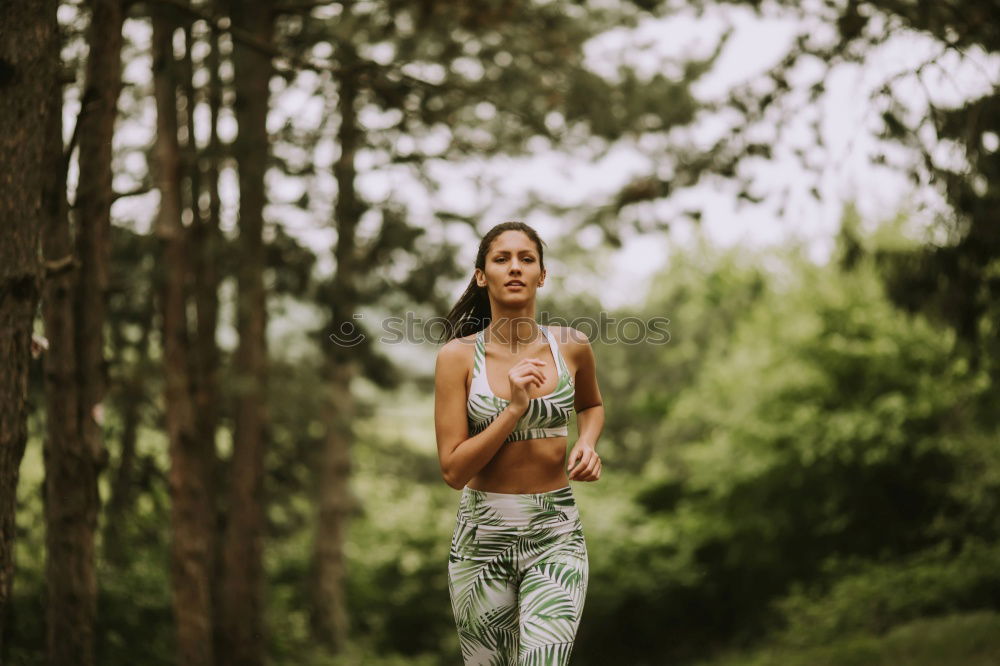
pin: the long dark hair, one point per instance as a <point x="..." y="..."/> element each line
<point x="471" y="313"/>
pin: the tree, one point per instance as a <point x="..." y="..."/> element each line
<point x="74" y="459"/>
<point x="828" y="430"/>
<point x="955" y="281"/>
<point x="191" y="456"/>
<point x="29" y="71"/>
<point x="242" y="606"/>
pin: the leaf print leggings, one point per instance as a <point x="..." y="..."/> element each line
<point x="517" y="576"/>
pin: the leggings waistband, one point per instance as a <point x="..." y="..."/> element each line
<point x="482" y="507"/>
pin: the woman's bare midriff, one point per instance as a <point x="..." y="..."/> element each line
<point x="525" y="466"/>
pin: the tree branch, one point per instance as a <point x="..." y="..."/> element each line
<point x="223" y="24"/>
<point x="142" y="189"/>
<point x="369" y="69"/>
<point x="54" y="267"/>
<point x="299" y="7"/>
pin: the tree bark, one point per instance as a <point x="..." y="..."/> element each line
<point x="330" y="618"/>
<point x="242" y="593"/>
<point x="29" y="61"/>
<point x="207" y="281"/>
<point x="74" y="459"/>
<point x="206" y="255"/>
<point x="76" y="380"/>
<point x="330" y="614"/>
<point x="191" y="500"/>
<point x="207" y="242"/>
<point x="93" y="205"/>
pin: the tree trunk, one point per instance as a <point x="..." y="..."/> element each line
<point x="330" y="614"/>
<point x="330" y="619"/>
<point x="29" y="62"/>
<point x="205" y="250"/>
<point x="242" y="552"/>
<point x="207" y="280"/>
<point x="205" y="255"/>
<point x="191" y="501"/>
<point x="73" y="459"/>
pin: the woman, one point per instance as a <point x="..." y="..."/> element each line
<point x="518" y="567"/>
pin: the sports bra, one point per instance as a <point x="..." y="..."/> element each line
<point x="546" y="416"/>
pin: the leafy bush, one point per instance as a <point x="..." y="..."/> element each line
<point x="883" y="595"/>
<point x="971" y="639"/>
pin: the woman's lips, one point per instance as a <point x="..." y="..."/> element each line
<point x="515" y="286"/>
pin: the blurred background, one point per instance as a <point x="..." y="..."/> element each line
<point x="806" y="472"/>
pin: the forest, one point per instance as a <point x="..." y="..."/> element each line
<point x="201" y="199"/>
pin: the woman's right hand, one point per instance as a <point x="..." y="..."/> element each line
<point x="525" y="372"/>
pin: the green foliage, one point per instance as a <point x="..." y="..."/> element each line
<point x="881" y="596"/>
<point x="952" y="281"/>
<point x="397" y="593"/>
<point x="969" y="640"/>
<point x="798" y="465"/>
<point x="135" y="616"/>
<point x="802" y="458"/>
<point x="807" y="426"/>
<point x="825" y="427"/>
<point x="703" y="293"/>
<point x="26" y="619"/>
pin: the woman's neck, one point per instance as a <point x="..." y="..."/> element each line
<point x="513" y="333"/>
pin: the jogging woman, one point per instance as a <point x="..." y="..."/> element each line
<point x="504" y="389"/>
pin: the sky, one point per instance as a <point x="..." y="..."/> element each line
<point x="847" y="119"/>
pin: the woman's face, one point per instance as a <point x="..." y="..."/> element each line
<point x="512" y="258"/>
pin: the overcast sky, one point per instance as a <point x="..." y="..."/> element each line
<point x="847" y="119"/>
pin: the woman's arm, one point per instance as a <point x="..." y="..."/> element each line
<point x="584" y="463"/>
<point x="461" y="456"/>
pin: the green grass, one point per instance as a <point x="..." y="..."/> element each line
<point x="971" y="639"/>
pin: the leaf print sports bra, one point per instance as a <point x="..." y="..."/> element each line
<point x="547" y="416"/>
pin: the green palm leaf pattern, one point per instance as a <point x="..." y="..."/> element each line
<point x="479" y="510"/>
<point x="544" y="508"/>
<point x="546" y="654"/>
<point x="517" y="589"/>
<point x="544" y="413"/>
<point x="552" y="597"/>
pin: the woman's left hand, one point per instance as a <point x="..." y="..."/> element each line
<point x="584" y="463"/>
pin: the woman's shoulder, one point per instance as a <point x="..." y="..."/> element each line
<point x="458" y="350"/>
<point x="570" y="339"/>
